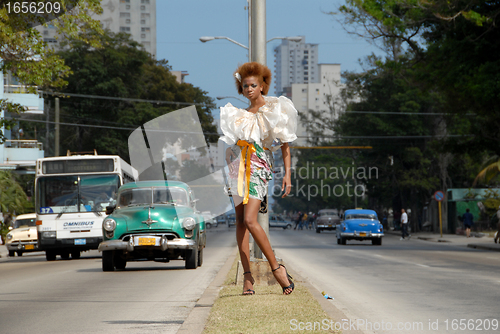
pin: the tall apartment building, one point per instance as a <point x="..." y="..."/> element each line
<point x="295" y="63"/>
<point x="135" y="17"/>
<point x="315" y="96"/>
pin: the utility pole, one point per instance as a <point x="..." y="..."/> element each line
<point x="56" y="153"/>
<point x="249" y="7"/>
<point x="258" y="33"/>
<point x="257" y="45"/>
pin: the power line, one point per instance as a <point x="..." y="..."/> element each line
<point x="123" y="99"/>
<point x="407" y="113"/>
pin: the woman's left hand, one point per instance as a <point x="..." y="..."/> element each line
<point x="287" y="185"/>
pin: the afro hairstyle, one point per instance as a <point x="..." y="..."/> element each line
<point x="254" y="69"/>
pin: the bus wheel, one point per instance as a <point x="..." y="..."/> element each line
<point x="65" y="255"/>
<point x="50" y="255"/>
<point x="75" y="255"/>
<point x="108" y="261"/>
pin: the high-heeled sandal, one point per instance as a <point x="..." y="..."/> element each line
<point x="249" y="292"/>
<point x="291" y="286"/>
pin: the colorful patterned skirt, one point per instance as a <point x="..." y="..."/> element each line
<point x="250" y="171"/>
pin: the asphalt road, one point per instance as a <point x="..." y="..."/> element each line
<point x="75" y="296"/>
<point x="410" y="286"/>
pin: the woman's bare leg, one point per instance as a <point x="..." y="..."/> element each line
<point x="242" y="238"/>
<point x="250" y="221"/>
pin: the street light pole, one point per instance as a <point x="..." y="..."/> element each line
<point x="231" y="97"/>
<point x="258" y="34"/>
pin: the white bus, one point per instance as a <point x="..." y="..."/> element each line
<point x="72" y="194"/>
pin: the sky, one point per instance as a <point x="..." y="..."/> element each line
<point x="210" y="65"/>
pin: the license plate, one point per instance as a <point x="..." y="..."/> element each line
<point x="147" y="241"/>
<point x="80" y="241"/>
<point x="330" y="225"/>
<point x="29" y="247"/>
<point x="362" y="234"/>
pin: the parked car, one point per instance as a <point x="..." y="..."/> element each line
<point x="279" y="221"/>
<point x="23" y="237"/>
<point x="210" y="220"/>
<point x="360" y="225"/>
<point x="153" y="220"/>
<point x="221" y="219"/>
<point x="327" y="219"/>
<point x="231" y="219"/>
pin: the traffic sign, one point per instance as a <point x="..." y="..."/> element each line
<point x="439" y="195"/>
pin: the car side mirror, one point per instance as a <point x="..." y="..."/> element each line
<point x="110" y="209"/>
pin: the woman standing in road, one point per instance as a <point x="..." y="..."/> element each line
<point x="252" y="131"/>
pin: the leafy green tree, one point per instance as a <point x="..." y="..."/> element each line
<point x="121" y="70"/>
<point x="453" y="48"/>
<point x="27" y="56"/>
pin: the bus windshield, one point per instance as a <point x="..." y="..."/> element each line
<point x="85" y="193"/>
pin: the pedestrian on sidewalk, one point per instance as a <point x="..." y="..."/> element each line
<point x="468" y="220"/>
<point x="404" y="225"/>
<point x="298" y="219"/>
<point x="303" y="221"/>
<point x="251" y="132"/>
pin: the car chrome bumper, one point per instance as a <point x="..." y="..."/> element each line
<point x="21" y="246"/>
<point x="357" y="235"/>
<point x="129" y="246"/>
<point x="326" y="226"/>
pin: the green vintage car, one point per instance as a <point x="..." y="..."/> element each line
<point x="156" y="221"/>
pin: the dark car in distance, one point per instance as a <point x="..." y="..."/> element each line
<point x="327" y="219"/>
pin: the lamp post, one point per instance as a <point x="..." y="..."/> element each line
<point x="231" y="97"/>
<point x="205" y="39"/>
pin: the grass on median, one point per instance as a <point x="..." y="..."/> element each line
<point x="268" y="311"/>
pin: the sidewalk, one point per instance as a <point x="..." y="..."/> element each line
<point x="477" y="240"/>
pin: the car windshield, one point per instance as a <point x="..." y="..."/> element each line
<point x="360" y="216"/>
<point x="157" y="195"/>
<point x="25" y="222"/>
<point x="328" y="213"/>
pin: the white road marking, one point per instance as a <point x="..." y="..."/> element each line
<point x="422" y="265"/>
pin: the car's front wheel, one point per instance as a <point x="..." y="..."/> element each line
<point x="120" y="262"/>
<point x="108" y="261"/>
<point x="338" y="241"/>
<point x="377" y="242"/>
<point x="200" y="257"/>
<point x="75" y="255"/>
<point x="343" y="241"/>
<point x="318" y="230"/>
<point x="191" y="259"/>
<point x="12" y="253"/>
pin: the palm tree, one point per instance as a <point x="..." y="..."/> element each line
<point x="489" y="172"/>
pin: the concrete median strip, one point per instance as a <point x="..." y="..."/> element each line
<point x="222" y="308"/>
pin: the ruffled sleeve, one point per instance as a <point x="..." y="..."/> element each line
<point x="286" y="129"/>
<point x="228" y="113"/>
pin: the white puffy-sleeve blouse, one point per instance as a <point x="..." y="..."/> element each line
<point x="277" y="119"/>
